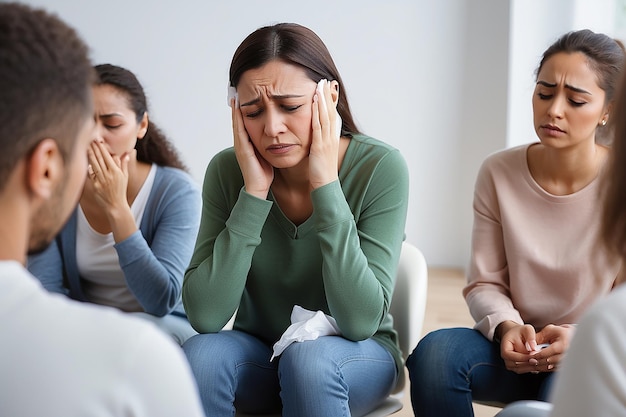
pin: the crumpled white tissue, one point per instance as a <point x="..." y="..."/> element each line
<point x="305" y="325"/>
<point x="338" y="121"/>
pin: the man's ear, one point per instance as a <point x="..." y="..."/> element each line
<point x="45" y="169"/>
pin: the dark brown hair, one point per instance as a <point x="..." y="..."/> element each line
<point x="154" y="147"/>
<point x="613" y="229"/>
<point x="45" y="84"/>
<point x="296" y="45"/>
<point x="605" y="57"/>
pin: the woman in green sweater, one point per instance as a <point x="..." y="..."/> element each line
<point x="300" y="212"/>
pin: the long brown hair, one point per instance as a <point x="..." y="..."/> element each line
<point x="613" y="230"/>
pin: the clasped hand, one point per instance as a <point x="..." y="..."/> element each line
<point x="519" y="348"/>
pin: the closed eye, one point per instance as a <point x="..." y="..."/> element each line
<point x="572" y="101"/>
<point x="292" y="108"/>
<point x="254" y="114"/>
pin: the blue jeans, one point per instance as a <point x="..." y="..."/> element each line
<point x="329" y="376"/>
<point x="177" y="327"/>
<point x="450" y="368"/>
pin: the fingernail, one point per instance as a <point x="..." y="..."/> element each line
<point x="550" y="367"/>
<point x="528" y="347"/>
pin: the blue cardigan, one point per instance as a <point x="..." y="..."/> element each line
<point x="153" y="259"/>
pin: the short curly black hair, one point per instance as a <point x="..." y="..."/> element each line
<point x="45" y="83"/>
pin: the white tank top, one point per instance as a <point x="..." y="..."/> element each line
<point x="103" y="280"/>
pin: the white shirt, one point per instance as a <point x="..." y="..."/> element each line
<point x="63" y="358"/>
<point x="592" y="380"/>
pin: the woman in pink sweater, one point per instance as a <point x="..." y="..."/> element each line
<point x="535" y="262"/>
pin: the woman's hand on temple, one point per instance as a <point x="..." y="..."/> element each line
<point x="257" y="173"/>
<point x="324" y="153"/>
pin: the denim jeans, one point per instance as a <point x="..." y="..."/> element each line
<point x="450" y="368"/>
<point x="329" y="376"/>
<point x="177" y="327"/>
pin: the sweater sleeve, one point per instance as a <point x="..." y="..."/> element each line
<point x="230" y="231"/>
<point x="154" y="272"/>
<point x="47" y="267"/>
<point x="487" y="292"/>
<point x="360" y="250"/>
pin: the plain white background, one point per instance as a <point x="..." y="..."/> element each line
<point x="447" y="82"/>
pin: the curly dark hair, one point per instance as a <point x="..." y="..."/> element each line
<point x="154" y="147"/>
<point x="45" y="84"/>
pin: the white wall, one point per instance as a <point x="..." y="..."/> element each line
<point x="444" y="81"/>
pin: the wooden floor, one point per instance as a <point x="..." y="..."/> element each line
<point x="445" y="308"/>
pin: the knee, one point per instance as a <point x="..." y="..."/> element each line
<point x="308" y="363"/>
<point x="209" y="352"/>
<point x="437" y="350"/>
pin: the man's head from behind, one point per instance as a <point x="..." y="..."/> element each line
<point x="46" y="117"/>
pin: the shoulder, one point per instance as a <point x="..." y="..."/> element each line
<point x="169" y="174"/>
<point x="373" y="146"/>
<point x="170" y="182"/>
<point x="367" y="151"/>
<point x="505" y="157"/>
<point x="506" y="163"/>
<point x="224" y="159"/>
<point x="121" y="342"/>
<point x="223" y="169"/>
<point x="88" y="330"/>
<point x="64" y="337"/>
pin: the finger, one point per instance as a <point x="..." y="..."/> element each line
<point x="99" y="163"/>
<point x="535" y="366"/>
<point x="554" y="361"/>
<point x="514" y="356"/>
<point x="521" y="367"/>
<point x="95" y="167"/>
<point x="91" y="173"/>
<point x="526" y="368"/>
<point x="529" y="336"/>
<point x="315" y="120"/>
<point x="239" y="131"/>
<point x="337" y="122"/>
<point x="323" y="94"/>
<point x="124" y="163"/>
<point x="108" y="160"/>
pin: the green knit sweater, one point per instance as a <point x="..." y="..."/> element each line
<point x="342" y="260"/>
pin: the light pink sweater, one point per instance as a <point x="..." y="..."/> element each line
<point x="535" y="256"/>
